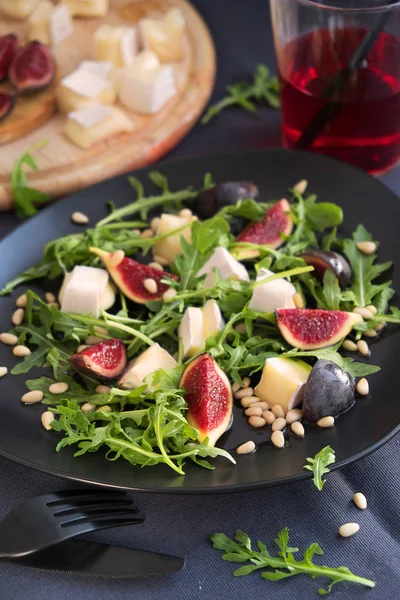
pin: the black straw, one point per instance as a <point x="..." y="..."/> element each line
<point x="329" y="111"/>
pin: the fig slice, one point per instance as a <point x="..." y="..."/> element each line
<point x="310" y="329"/>
<point x="8" y="49"/>
<point x="105" y="360"/>
<point x="33" y="68"/>
<point x="7" y="103"/>
<point x="208" y="394"/>
<point x="130" y="275"/>
<point x="278" y="220"/>
<point x="322" y="260"/>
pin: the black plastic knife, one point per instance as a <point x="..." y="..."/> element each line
<point x="90" y="558"/>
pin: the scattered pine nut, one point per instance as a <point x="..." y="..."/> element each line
<point x="103" y="389"/>
<point x="58" y="388"/>
<point x="105" y="408"/>
<point x="363" y="348"/>
<point x="32" y="397"/>
<point x="348" y="529"/>
<point x="363" y="387"/>
<point x="253" y="411"/>
<point x="246" y="382"/>
<point x="360" y="501"/>
<point x="301" y="186"/>
<point x="246" y="448"/>
<point x="160" y="259"/>
<point x="47" y="418"/>
<point x="150" y="285"/>
<point x="146" y="234"/>
<point x="278" y="410"/>
<point x="49" y="297"/>
<point x="349" y="346"/>
<point x="278" y="424"/>
<point x="372" y="309"/>
<point x="364" y="312"/>
<point x="79" y="218"/>
<point x="295" y="414"/>
<point x="91" y="340"/>
<point x="18" y="316"/>
<point x="278" y="439"/>
<point x="8" y="338"/>
<point x="3" y="371"/>
<point x="169" y="295"/>
<point x="248" y="391"/>
<point x="366" y="247"/>
<point x="248" y="401"/>
<point x="298" y="300"/>
<point x="235" y="387"/>
<point x="185" y="213"/>
<point x="117" y="258"/>
<point x="155" y="223"/>
<point x="50" y="304"/>
<point x="88" y="407"/>
<point x="370" y="333"/>
<point x="268" y="416"/>
<point x="241" y="328"/>
<point x="82" y="347"/>
<point x="21" y="351"/>
<point x="262" y="405"/>
<point x="156" y="265"/>
<point x="326" y="422"/>
<point x="297" y="429"/>
<point x="101" y="330"/>
<point x="22" y="300"/>
<point x="380" y="326"/>
<point x="255" y="421"/>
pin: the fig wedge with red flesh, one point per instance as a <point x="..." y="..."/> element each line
<point x="105" y="360"/>
<point x="278" y="220"/>
<point x="33" y="68"/>
<point x="8" y="49"/>
<point x="130" y="275"/>
<point x="310" y="329"/>
<point x="208" y="394"/>
<point x="322" y="260"/>
<point x="7" y="103"/>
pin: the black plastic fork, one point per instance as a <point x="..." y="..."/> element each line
<point x="53" y="518"/>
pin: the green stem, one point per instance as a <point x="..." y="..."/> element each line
<point x="134" y="332"/>
<point x="127" y="225"/>
<point x="288" y="273"/>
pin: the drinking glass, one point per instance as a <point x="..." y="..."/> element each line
<point x="339" y="69"/>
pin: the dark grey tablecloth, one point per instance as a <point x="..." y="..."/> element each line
<point x="182" y="525"/>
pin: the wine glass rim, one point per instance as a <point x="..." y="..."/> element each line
<point x="365" y="9"/>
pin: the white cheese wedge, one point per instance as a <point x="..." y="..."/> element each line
<point x="212" y="317"/>
<point x="50" y="24"/>
<point x="107" y="298"/>
<point x="83" y="292"/>
<point x="99" y="68"/>
<point x="146" y="86"/>
<point x="226" y="265"/>
<point x="94" y="124"/>
<point x="18" y="9"/>
<point x="274" y="294"/>
<point x="140" y="370"/>
<point x="166" y="36"/>
<point x="282" y="382"/>
<point x="171" y="246"/>
<point x="87" y="8"/>
<point x="191" y="331"/>
<point x="81" y="89"/>
<point x="116" y="44"/>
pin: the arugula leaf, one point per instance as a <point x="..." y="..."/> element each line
<point x="26" y="198"/>
<point x="353" y="368"/>
<point x="319" y="465"/>
<point x="284" y="564"/>
<point x="322" y="215"/>
<point x="331" y="290"/>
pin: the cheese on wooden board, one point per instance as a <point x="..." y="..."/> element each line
<point x="88" y="8"/>
<point x="166" y="36"/>
<point x="146" y="86"/>
<point x="81" y="89"/>
<point x="18" y="9"/>
<point x="50" y="24"/>
<point x="91" y="125"/>
<point x="83" y="291"/>
<point x="139" y="370"/>
<point x="116" y="44"/>
<point x="98" y="68"/>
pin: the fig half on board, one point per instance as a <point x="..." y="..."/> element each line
<point x="33" y="68"/>
<point x="105" y="360"/>
<point x="8" y="49"/>
<point x="7" y="103"/>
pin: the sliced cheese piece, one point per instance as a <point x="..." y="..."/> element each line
<point x="107" y="298"/>
<point x="99" y="68"/>
<point x="91" y="125"/>
<point x="139" y="371"/>
<point x="146" y="86"/>
<point x="166" y="36"/>
<point x="171" y="245"/>
<point x="116" y="44"/>
<point x="212" y="318"/>
<point x="81" y="89"/>
<point x="226" y="265"/>
<point x="282" y="382"/>
<point x="83" y="291"/>
<point x="191" y="331"/>
<point x="277" y="293"/>
<point x="50" y="24"/>
<point x="87" y="8"/>
<point x="18" y="9"/>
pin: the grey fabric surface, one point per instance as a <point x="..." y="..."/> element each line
<point x="182" y="524"/>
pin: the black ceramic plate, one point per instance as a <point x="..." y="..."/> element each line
<point x="363" y="429"/>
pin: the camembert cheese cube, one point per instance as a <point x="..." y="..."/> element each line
<point x="94" y="124"/>
<point x="166" y="36"/>
<point x="81" y="89"/>
<point x="99" y="68"/>
<point x="18" y="9"/>
<point x="139" y="371"/>
<point x="88" y="8"/>
<point x="116" y="44"/>
<point x="50" y="24"/>
<point x="84" y="290"/>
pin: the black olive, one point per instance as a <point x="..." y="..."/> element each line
<point x="210" y="201"/>
<point x="327" y="259"/>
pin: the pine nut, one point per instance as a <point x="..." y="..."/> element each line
<point x="298" y="300"/>
<point x="363" y="348"/>
<point x="371" y="333"/>
<point x="79" y="218"/>
<point x="58" y="388"/>
<point x="175" y="355"/>
<point x="150" y="285"/>
<point x="49" y="297"/>
<point x="18" y="316"/>
<point x="101" y="330"/>
<point x="185" y="213"/>
<point x="246" y="448"/>
<point x="278" y="439"/>
<point x="21" y="351"/>
<point x="295" y="414"/>
<point x="156" y="265"/>
<point x="161" y="260"/>
<point x="268" y="416"/>
<point x="88" y="407"/>
<point x="249" y="401"/>
<point x="366" y="247"/>
<point x="372" y="309"/>
<point x="301" y="186"/>
<point x="278" y="410"/>
<point x="47" y="418"/>
<point x="169" y="295"/>
<point x="348" y="529"/>
<point x="363" y="387"/>
<point x="32" y="397"/>
<point x="21" y="301"/>
<point x="8" y="338"/>
<point x="235" y="387"/>
<point x="364" y="312"/>
<point x="278" y="424"/>
<point x="349" y="346"/>
<point x="155" y="223"/>
<point x="360" y="501"/>
<point x="297" y="429"/>
<point x="3" y="371"/>
<point x="253" y="411"/>
<point x="105" y="408"/>
<point x="246" y="382"/>
<point x="82" y="348"/>
<point x="103" y="389"/>
<point x="380" y="326"/>
<point x="262" y="405"/>
<point x="248" y="391"/>
<point x="241" y="328"/>
<point x="117" y="258"/>
<point x="146" y="234"/>
<point x="50" y="304"/>
<point x="136" y="231"/>
<point x="256" y="421"/>
<point x="326" y="422"/>
<point x="91" y="340"/>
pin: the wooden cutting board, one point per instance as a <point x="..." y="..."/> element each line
<point x="64" y="168"/>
